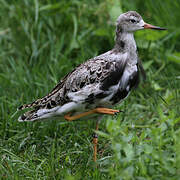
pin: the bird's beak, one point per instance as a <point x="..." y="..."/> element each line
<point x="149" y="26"/>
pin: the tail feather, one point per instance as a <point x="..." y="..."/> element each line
<point x="39" y="114"/>
<point x="42" y="101"/>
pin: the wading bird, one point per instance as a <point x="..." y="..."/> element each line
<point x="95" y="86"/>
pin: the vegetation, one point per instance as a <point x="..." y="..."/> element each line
<point x="41" y="41"/>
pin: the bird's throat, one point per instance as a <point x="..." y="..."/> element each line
<point x="125" y="42"/>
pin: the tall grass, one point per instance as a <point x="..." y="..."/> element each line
<point x="41" y="41"/>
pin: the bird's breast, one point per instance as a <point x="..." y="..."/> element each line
<point x="128" y="81"/>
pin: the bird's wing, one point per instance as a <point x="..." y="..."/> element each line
<point x="92" y="77"/>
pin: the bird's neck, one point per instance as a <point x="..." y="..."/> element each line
<point x="125" y="42"/>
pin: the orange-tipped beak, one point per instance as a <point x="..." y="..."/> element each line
<point x="149" y="26"/>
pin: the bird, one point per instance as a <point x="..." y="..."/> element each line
<point x="97" y="85"/>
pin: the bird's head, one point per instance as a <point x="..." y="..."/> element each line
<point x="131" y="21"/>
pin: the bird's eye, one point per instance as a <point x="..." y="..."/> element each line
<point x="132" y="20"/>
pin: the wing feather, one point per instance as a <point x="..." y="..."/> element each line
<point x="93" y="76"/>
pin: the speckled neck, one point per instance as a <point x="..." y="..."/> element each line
<point x="125" y="43"/>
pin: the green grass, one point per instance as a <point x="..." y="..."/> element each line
<point x="41" y="41"/>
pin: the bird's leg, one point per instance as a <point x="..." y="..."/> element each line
<point x="98" y="111"/>
<point x="94" y="111"/>
<point x="71" y="118"/>
<point x="95" y="141"/>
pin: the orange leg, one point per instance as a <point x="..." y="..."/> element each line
<point x="95" y="142"/>
<point x="94" y="111"/>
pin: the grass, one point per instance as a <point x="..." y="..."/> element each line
<point x="41" y="41"/>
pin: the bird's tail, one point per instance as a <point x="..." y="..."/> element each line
<point x="41" y="114"/>
<point x="29" y="116"/>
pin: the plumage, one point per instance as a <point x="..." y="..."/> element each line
<point x="102" y="81"/>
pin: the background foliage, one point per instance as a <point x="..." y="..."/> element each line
<point x="41" y="41"/>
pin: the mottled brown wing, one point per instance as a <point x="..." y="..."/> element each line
<point x="93" y="79"/>
<point x="94" y="71"/>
